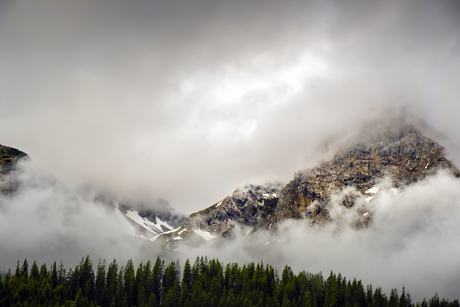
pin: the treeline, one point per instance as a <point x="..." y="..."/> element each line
<point x="205" y="283"/>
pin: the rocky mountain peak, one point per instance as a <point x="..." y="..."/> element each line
<point x="9" y="159"/>
<point x="401" y="153"/>
<point x="397" y="151"/>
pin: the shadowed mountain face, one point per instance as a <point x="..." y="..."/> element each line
<point x="399" y="152"/>
<point x="9" y="158"/>
<point x="403" y="154"/>
<point x="145" y="220"/>
<point x="245" y="206"/>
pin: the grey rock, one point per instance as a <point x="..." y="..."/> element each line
<point x="398" y="151"/>
<point x="401" y="152"/>
<point x="9" y="159"/>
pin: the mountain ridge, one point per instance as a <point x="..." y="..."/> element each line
<point x="398" y="151"/>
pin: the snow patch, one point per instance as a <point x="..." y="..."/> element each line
<point x="134" y="215"/>
<point x="366" y="214"/>
<point x="154" y="238"/>
<point x="274" y="194"/>
<point x="247" y="232"/>
<point x="206" y="235"/>
<point x="427" y="165"/>
<point x="160" y="223"/>
<point x="368" y="199"/>
<point x="266" y="195"/>
<point x="219" y="203"/>
<point x="166" y="232"/>
<point x="180" y="232"/>
<point x="372" y="190"/>
<point x="170" y="231"/>
<point x="153" y="227"/>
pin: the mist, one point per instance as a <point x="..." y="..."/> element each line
<point x="407" y="237"/>
<point x="46" y="221"/>
<point x="411" y="240"/>
<point x="183" y="101"/>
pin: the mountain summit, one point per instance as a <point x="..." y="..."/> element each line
<point x="9" y="159"/>
<point x="402" y="154"/>
<point x="399" y="152"/>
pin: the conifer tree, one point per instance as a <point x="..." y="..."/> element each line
<point x="54" y="275"/>
<point x="152" y="302"/>
<point x="157" y="277"/>
<point x="394" y="299"/>
<point x="61" y="274"/>
<point x="25" y="271"/>
<point x="100" y="281"/>
<point x="34" y="271"/>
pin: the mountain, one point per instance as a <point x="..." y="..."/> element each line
<point x="140" y="219"/>
<point x="9" y="159"/>
<point x="136" y="218"/>
<point x="399" y="152"/>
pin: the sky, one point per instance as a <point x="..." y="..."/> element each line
<point x="184" y="101"/>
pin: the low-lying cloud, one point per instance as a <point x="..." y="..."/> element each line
<point x="45" y="221"/>
<point x="183" y="100"/>
<point x="411" y="238"/>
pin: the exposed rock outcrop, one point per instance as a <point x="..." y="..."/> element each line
<point x="244" y="206"/>
<point x="9" y="159"/>
<point x="399" y="152"/>
<point x="402" y="153"/>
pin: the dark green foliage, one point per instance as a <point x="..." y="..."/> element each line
<point x="206" y="283"/>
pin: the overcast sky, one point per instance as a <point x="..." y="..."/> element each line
<point x="184" y="100"/>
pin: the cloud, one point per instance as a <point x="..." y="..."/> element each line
<point x="45" y="221"/>
<point x="411" y="241"/>
<point x="184" y="100"/>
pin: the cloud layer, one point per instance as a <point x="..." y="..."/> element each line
<point x="184" y="100"/>
<point x="411" y="239"/>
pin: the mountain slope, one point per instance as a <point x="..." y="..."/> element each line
<point x="399" y="152"/>
<point x="402" y="154"/>
<point x="9" y="159"/>
<point x="140" y="219"/>
<point x="137" y="219"/>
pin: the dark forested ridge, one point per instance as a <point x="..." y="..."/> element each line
<point x="205" y="283"/>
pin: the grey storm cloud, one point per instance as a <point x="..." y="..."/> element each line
<point x="411" y="239"/>
<point x="184" y="100"/>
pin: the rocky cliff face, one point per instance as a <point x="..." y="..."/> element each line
<point x="247" y="206"/>
<point x="244" y="206"/>
<point x="9" y="159"/>
<point x="136" y="218"/>
<point x="140" y="219"/>
<point x="399" y="152"/>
